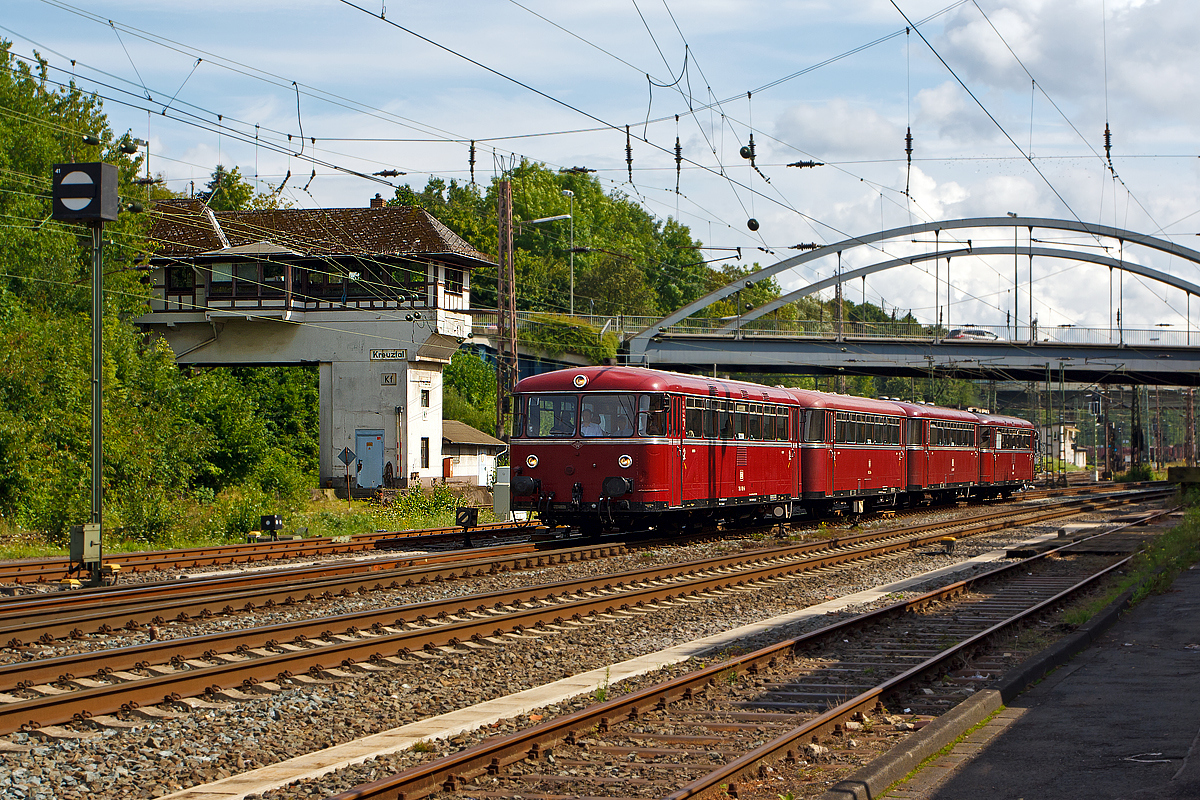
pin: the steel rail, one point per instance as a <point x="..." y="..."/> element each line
<point x="41" y="570"/>
<point x="43" y="617"/>
<point x="489" y="757"/>
<point x="346" y="651"/>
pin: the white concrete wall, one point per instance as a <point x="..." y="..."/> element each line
<point x="355" y="350"/>
<point x="423" y="422"/>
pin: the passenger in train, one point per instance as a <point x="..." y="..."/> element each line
<point x="624" y="427"/>
<point x="589" y="426"/>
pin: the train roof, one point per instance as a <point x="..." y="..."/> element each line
<point x="845" y="402"/>
<point x="919" y="411"/>
<point x="641" y="379"/>
<point x="1002" y="419"/>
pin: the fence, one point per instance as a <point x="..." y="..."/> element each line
<point x="626" y="326"/>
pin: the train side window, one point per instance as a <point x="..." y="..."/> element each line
<point x="518" y="420"/>
<point x="710" y="419"/>
<point x="814" y="428"/>
<point x="726" y="420"/>
<point x="754" y="422"/>
<point x="768" y="424"/>
<point x="693" y="418"/>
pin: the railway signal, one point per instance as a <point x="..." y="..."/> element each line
<point x="88" y="193"/>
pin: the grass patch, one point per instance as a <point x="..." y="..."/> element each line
<point x="944" y="751"/>
<point x="228" y="516"/>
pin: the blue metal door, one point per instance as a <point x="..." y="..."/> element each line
<point x="368" y="445"/>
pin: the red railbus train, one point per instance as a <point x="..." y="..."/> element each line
<point x="599" y="447"/>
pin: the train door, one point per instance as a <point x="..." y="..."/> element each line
<point x="694" y="451"/>
<point x="849" y="462"/>
<point x="987" y="455"/>
<point x="918" y="455"/>
<point x="675" y="452"/>
<point x="891" y="456"/>
<point x="796" y="417"/>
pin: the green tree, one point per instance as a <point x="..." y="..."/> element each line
<point x="626" y="261"/>
<point x="469" y="391"/>
<point x="227" y="190"/>
<point x="165" y="433"/>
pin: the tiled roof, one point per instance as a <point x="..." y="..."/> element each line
<point x="456" y="432"/>
<point x="185" y="228"/>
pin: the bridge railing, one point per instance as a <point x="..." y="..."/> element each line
<point x="625" y="326"/>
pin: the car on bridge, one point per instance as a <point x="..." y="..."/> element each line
<point x="972" y="334"/>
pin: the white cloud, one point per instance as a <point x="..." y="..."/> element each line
<point x="839" y="129"/>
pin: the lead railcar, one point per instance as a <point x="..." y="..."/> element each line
<point x="599" y="446"/>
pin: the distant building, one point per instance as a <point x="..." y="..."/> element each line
<point x="1058" y="441"/>
<point x="469" y="455"/>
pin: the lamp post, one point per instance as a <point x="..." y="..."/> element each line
<point x="552" y="219"/>
<point x="567" y="193"/>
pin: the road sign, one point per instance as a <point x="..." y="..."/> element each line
<point x="347" y="455"/>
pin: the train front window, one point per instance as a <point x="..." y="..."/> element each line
<point x="608" y="415"/>
<point x="551" y="416"/>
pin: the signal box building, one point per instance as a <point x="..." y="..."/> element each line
<point x="377" y="298"/>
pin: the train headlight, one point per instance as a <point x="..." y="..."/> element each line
<point x="580" y="381"/>
<point x="625" y="462"/>
<point x="531" y="461"/>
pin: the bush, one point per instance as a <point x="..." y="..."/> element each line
<point x="419" y="507"/>
<point x="558" y="334"/>
<point x="1136" y="474"/>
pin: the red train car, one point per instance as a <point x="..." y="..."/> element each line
<point x="943" y="452"/>
<point x="852" y="451"/>
<point x="598" y="446"/>
<point x="1006" y="448"/>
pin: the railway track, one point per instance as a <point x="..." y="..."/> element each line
<point x="44" y="617"/>
<point x="785" y="711"/>
<point x="54" y="569"/>
<point x="32" y="571"/>
<point x="47" y="691"/>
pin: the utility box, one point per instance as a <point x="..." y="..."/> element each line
<point x="501" y="496"/>
<point x="85" y="543"/>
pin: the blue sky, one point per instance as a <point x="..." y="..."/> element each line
<point x="375" y="96"/>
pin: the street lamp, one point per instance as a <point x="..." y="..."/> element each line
<point x="567" y="193"/>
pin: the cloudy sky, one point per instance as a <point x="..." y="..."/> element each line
<point x="832" y="81"/>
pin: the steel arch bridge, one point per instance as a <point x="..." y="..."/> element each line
<point x="673" y="342"/>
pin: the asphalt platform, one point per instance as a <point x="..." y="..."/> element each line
<point x="1121" y="719"/>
